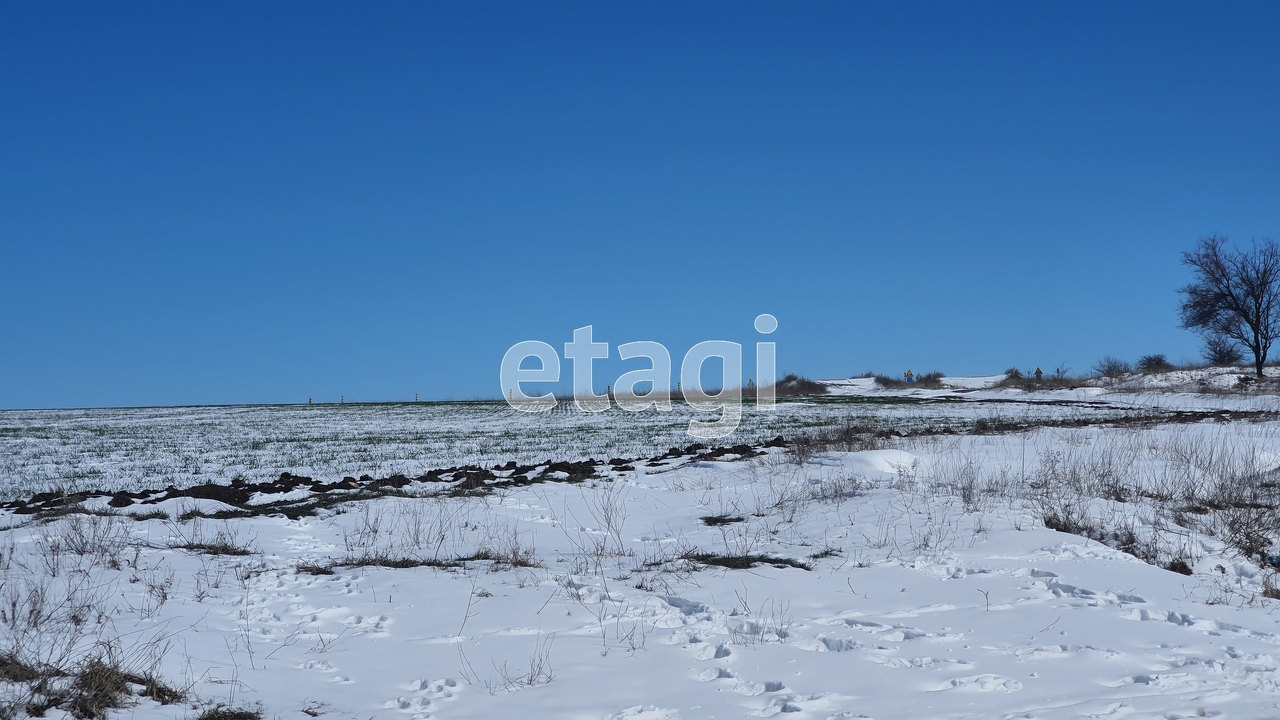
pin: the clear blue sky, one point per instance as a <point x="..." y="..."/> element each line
<point x="229" y="203"/>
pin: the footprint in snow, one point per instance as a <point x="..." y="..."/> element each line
<point x="686" y="607"/>
<point x="756" y="688"/>
<point x="438" y="688"/>
<point x="715" y="673"/>
<point x="776" y="706"/>
<point x="983" y="683"/>
<point x="1208" y="627"/>
<point x="826" y="643"/>
<point x="428" y="692"/>
<point x="887" y="633"/>
<point x="920" y="662"/>
<point x="362" y="624"/>
<point x="683" y="637"/>
<point x="645" y="712"/>
<point x="919" y="611"/>
<point x="714" y="652"/>
<point x="961" y="573"/>
<point x="800" y="704"/>
<point x="413" y="705"/>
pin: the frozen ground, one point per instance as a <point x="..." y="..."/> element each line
<point x="907" y="577"/>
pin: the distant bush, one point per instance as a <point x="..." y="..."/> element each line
<point x="1112" y="367"/>
<point x="1222" y="352"/>
<point x="1059" y="379"/>
<point x="1154" y="364"/>
<point x="931" y="381"/>
<point x="793" y="384"/>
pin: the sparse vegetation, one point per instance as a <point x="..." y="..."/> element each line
<point x="225" y="542"/>
<point x="846" y="436"/>
<point x="308" y="568"/>
<point x="742" y="562"/>
<point x="223" y="712"/>
<point x="717" y="520"/>
<point x="793" y="385"/>
<point x="59" y="655"/>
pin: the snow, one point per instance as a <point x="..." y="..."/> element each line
<point x="923" y="598"/>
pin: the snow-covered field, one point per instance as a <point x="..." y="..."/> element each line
<point x="912" y="579"/>
<point x="155" y="447"/>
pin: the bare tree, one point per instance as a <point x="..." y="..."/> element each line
<point x="1236" y="295"/>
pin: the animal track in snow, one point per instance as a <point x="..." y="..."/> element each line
<point x="429" y="692"/>
<point x="1062" y="590"/>
<point x="441" y="688"/>
<point x="419" y="706"/>
<point x="1208" y="627"/>
<point x="362" y="624"/>
<point x="325" y="666"/>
